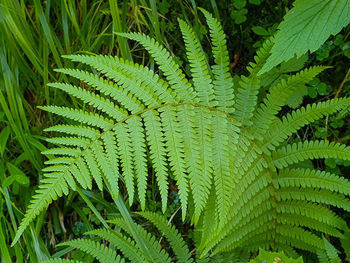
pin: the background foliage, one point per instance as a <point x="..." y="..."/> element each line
<point x="35" y="35"/>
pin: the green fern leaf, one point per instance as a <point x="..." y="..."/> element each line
<point x="108" y="161"/>
<point x="136" y="132"/>
<point x="93" y="167"/>
<point x="69" y="141"/>
<point x="200" y="73"/>
<point x="92" y="99"/>
<point x="171" y="70"/>
<point x="122" y="243"/>
<point x="277" y="98"/>
<point x="201" y="185"/>
<point x="75" y="130"/>
<point x="60" y="260"/>
<point x="124" y="151"/>
<point x="102" y="253"/>
<point x="108" y="88"/>
<point x="81" y="116"/>
<point x="174" y="145"/>
<point x="222" y="179"/>
<point x="177" y="243"/>
<point x="147" y="77"/>
<point x="297" y="152"/>
<point x="223" y="83"/>
<point x="249" y="87"/>
<point x="52" y="186"/>
<point x="331" y="251"/>
<point x="307" y="178"/>
<point x="155" y="139"/>
<point x="299" y="118"/>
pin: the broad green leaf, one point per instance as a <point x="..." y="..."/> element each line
<point x="18" y="175"/>
<point x="274" y="257"/>
<point x="306" y="27"/>
<point x="260" y="31"/>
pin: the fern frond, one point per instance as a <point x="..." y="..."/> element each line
<point x="102" y="253"/>
<point x="173" y="236"/>
<point x="210" y="221"/>
<point x="309" y="210"/>
<point x="299" y="118"/>
<point x="175" y="149"/>
<point x="249" y="87"/>
<point x="69" y="141"/>
<point x="223" y="83"/>
<point x="93" y="167"/>
<point x="125" y="154"/>
<point x="310" y="178"/>
<point x="277" y="98"/>
<point x="298" y="152"/>
<point x="60" y="260"/>
<point x="157" y="254"/>
<point x="167" y="65"/>
<point x="108" y="161"/>
<point x="54" y="168"/>
<point x="122" y="243"/>
<point x="199" y="69"/>
<point x="80" y="116"/>
<point x="186" y="120"/>
<point x="60" y="160"/>
<point x="296" y="234"/>
<point x="227" y="159"/>
<point x="52" y="186"/>
<point x="68" y="151"/>
<point x="321" y="196"/>
<point x="83" y="131"/>
<point x="201" y="185"/>
<point x="100" y="103"/>
<point x="297" y="220"/>
<point x="331" y="251"/>
<point x="223" y="180"/>
<point x="138" y="144"/>
<point x="260" y="223"/>
<point x="155" y="139"/>
<point x="108" y="88"/>
<point x="107" y="63"/>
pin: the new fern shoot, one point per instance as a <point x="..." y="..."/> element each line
<point x="226" y="149"/>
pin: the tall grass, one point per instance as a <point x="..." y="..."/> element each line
<point x="34" y="36"/>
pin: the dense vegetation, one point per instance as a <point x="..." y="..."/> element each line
<point x="226" y="161"/>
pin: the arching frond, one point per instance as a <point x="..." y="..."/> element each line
<point x="102" y="253"/>
<point x="224" y="154"/>
<point x="223" y="83"/>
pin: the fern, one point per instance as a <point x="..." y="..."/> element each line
<point x="102" y="253"/>
<point x="225" y="149"/>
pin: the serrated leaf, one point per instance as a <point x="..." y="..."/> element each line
<point x="274" y="257"/>
<point x="306" y="27"/>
